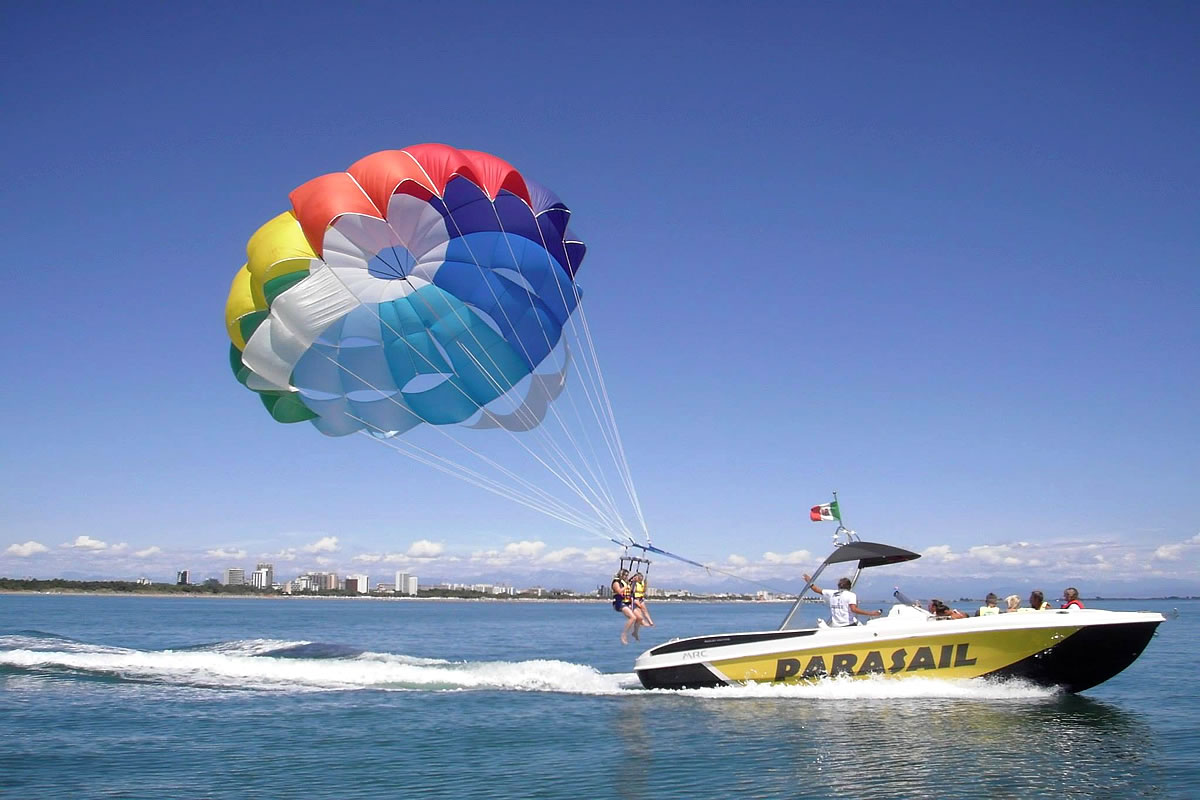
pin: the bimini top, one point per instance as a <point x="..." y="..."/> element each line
<point x="870" y="554"/>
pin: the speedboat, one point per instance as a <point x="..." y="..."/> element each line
<point x="1073" y="649"/>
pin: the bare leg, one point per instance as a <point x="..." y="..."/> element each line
<point x="632" y="621"/>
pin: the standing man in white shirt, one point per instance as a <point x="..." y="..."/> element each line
<point x="842" y="603"/>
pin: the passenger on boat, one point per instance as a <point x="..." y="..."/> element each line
<point x="623" y="603"/>
<point x="638" y="584"/>
<point x="990" y="608"/>
<point x="1071" y="598"/>
<point x="842" y="603"/>
<point x="1014" y="603"/>
<point x="1037" y="601"/>
<point x="943" y="611"/>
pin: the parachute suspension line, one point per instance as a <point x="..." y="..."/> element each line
<point x="555" y="510"/>
<point x="600" y="480"/>
<point x="562" y="461"/>
<point x="565" y="479"/>
<point x="623" y="461"/>
<point x="553" y="470"/>
<point x="590" y="370"/>
<point x="438" y="428"/>
<point x="553" y="410"/>
<point x="537" y="499"/>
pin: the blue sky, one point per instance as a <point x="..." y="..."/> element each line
<point x="942" y="259"/>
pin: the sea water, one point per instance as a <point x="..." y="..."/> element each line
<point x="212" y="697"/>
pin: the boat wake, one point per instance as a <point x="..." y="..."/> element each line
<point x="301" y="666"/>
<point x="296" y="666"/>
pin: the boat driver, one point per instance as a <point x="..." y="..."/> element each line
<point x="843" y="604"/>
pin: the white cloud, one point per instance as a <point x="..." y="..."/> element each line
<point x="1177" y="550"/>
<point x="287" y="554"/>
<point x="323" y="561"/>
<point x="326" y="544"/>
<point x="423" y="548"/>
<point x="524" y="549"/>
<point x="594" y="555"/>
<point x="153" y="550"/>
<point x="87" y="543"/>
<point x="735" y="560"/>
<point x="25" y="550"/>
<point x="226" y="553"/>
<point x="367" y="558"/>
<point x="1169" y="552"/>
<point x="794" y="557"/>
<point x="939" y="553"/>
<point x="995" y="554"/>
<point x="117" y="548"/>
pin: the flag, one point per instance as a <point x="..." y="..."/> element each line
<point x="825" y="513"/>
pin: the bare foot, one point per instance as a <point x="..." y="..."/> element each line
<point x="623" y="639"/>
<point x="635" y="635"/>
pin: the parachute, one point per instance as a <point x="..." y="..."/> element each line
<point x="429" y="293"/>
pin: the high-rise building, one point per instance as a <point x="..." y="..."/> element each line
<point x="261" y="578"/>
<point x="182" y="578"/>
<point x="401" y="582"/>
<point x="270" y="568"/>
<point x="235" y="577"/>
<point x="410" y="587"/>
<point x="359" y="584"/>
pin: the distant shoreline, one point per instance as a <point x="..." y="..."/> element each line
<point x="602" y="600"/>
<point x="409" y="599"/>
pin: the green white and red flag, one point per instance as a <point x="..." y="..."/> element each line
<point x="825" y="513"/>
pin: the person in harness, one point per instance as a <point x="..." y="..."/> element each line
<point x="842" y="603"/>
<point x="622" y="603"/>
<point x="638" y="584"/>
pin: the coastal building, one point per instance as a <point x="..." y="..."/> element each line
<point x="261" y="578"/>
<point x="406" y="584"/>
<point x="182" y="578"/>
<point x="360" y="584"/>
<point x="323" y="581"/>
<point x="268" y="571"/>
<point x="235" y="577"/>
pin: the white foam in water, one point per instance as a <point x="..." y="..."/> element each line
<point x="243" y="665"/>
<point x="235" y="665"/>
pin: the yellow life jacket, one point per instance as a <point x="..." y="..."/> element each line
<point x="639" y="590"/>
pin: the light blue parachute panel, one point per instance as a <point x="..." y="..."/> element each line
<point x="426" y="357"/>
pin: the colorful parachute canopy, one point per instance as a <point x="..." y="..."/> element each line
<point x="427" y="284"/>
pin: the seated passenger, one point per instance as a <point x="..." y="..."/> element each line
<point x="1037" y="601"/>
<point x="991" y="607"/>
<point x="1014" y="603"/>
<point x="1071" y="598"/>
<point x="942" y="611"/>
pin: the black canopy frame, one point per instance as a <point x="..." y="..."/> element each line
<point x="867" y="554"/>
